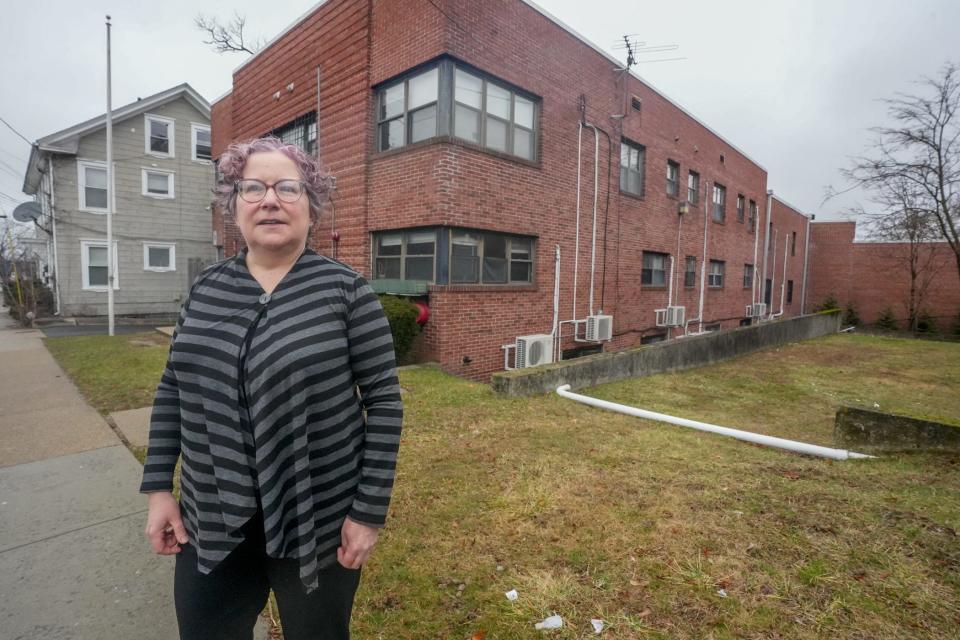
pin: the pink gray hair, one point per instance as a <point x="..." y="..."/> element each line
<point x="234" y="159"/>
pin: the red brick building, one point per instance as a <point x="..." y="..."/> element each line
<point x="873" y="276"/>
<point x="473" y="142"/>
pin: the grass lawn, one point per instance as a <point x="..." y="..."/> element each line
<point x="592" y="514"/>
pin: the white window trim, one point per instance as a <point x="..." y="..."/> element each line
<point x="82" y="183"/>
<point x="194" y="127"/>
<point x="147" y="118"/>
<point x="170" y="195"/>
<point x="85" y="264"/>
<point x="159" y="245"/>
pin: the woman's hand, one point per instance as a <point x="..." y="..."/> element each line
<point x="164" y="524"/>
<point x="356" y="543"/>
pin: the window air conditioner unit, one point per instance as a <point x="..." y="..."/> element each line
<point x="671" y="316"/>
<point x="533" y="351"/>
<point x="756" y="310"/>
<point x="599" y="328"/>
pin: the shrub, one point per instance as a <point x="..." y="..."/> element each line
<point x="402" y="316"/>
<point x="850" y="316"/>
<point x="887" y="320"/>
<point x="829" y="304"/>
<point x="36" y="296"/>
<point x="926" y="322"/>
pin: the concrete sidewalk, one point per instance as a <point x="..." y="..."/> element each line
<point x="73" y="559"/>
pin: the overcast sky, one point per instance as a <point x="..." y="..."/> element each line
<point x="795" y="84"/>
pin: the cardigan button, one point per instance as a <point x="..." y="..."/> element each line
<point x="265" y="298"/>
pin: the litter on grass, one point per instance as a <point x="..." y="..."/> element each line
<point x="512" y="595"/>
<point x="553" y="622"/>
<point x="597" y="625"/>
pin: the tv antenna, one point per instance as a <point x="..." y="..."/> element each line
<point x="636" y="48"/>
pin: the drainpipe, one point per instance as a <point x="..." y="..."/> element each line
<point x="53" y="228"/>
<point x="806" y="256"/>
<point x="703" y="261"/>
<point x="783" y="280"/>
<point x="596" y="182"/>
<point x="756" y="241"/>
<point x="773" y="271"/>
<point x="556" y="302"/>
<point x="766" y="243"/>
<point x="576" y="252"/>
<point x="670" y="292"/>
<point x="747" y="436"/>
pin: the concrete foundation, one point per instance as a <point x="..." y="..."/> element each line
<point x="874" y="431"/>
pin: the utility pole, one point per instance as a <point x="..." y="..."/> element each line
<point x="111" y="267"/>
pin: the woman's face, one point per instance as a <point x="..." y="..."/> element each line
<point x="273" y="225"/>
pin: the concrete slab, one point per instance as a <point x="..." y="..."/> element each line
<point x="97" y="582"/>
<point x="51" y="497"/>
<point x="167" y="331"/>
<point x="134" y="425"/>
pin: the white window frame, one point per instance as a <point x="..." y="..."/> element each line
<point x="85" y="265"/>
<point x="171" y="131"/>
<point x="170" y="195"/>
<point x="159" y="245"/>
<point x="82" y="184"/>
<point x="716" y="274"/>
<point x="194" y="128"/>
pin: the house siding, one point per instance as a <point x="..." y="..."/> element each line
<point x="184" y="220"/>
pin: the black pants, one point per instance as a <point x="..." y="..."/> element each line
<point x="224" y="604"/>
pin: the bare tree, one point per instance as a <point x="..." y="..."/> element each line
<point x="226" y="37"/>
<point x="919" y="152"/>
<point x="905" y="217"/>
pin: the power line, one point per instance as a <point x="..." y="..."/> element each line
<point x="10" y="126"/>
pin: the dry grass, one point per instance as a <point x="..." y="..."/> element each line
<point x="592" y="514"/>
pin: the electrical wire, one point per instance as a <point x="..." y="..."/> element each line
<point x="10" y="126"/>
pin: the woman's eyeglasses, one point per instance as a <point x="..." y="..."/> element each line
<point x="253" y="191"/>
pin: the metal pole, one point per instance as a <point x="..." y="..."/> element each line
<point x="111" y="268"/>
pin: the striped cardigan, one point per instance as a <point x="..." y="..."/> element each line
<point x="311" y="366"/>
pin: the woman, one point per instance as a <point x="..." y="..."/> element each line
<point x="280" y="396"/>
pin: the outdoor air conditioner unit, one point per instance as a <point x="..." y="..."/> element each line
<point x="671" y="316"/>
<point x="533" y="351"/>
<point x="756" y="310"/>
<point x="599" y="328"/>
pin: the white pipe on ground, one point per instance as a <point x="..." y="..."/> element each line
<point x="756" y="438"/>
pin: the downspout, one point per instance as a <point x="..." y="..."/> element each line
<point x="766" y="243"/>
<point x="703" y="261"/>
<point x="576" y="252"/>
<point x="596" y="183"/>
<point x="556" y="303"/>
<point x="756" y="438"/>
<point x="53" y="227"/>
<point x="670" y="292"/>
<point x="806" y="256"/>
<point x="783" y="280"/>
<point x="773" y="272"/>
<point x="756" y="242"/>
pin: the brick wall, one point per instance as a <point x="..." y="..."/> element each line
<point x="875" y="275"/>
<point x="359" y="44"/>
<point x="787" y="242"/>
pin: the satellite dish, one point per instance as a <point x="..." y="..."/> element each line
<point x="27" y="212"/>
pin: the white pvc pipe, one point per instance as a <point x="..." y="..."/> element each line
<point x="773" y="272"/>
<point x="747" y="436"/>
<point x="707" y="212"/>
<point x="806" y="255"/>
<point x="576" y="251"/>
<point x="556" y="303"/>
<point x="596" y="186"/>
<point x="53" y="226"/>
<point x="670" y="286"/>
<point x="756" y="241"/>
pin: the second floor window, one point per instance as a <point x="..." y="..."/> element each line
<point x="92" y="179"/>
<point x="492" y="115"/>
<point x="693" y="187"/>
<point x="690" y="272"/>
<point x="631" y="167"/>
<point x="747" y="276"/>
<point x="654" y="271"/>
<point x="673" y="178"/>
<point x="200" y="143"/>
<point x="752" y="220"/>
<point x="740" y="207"/>
<point x="159" y="135"/>
<point x="719" y="202"/>
<point x="715" y="279"/>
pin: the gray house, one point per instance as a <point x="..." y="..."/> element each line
<point x="162" y="231"/>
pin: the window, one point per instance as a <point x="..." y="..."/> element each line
<point x="407" y="110"/>
<point x="159" y="256"/>
<point x="653" y="338"/>
<point x="405" y="255"/>
<point x="631" y="167"/>
<point x="789" y="291"/>
<point x="673" y="178"/>
<point x="740" y="207"/>
<point x="489" y="258"/>
<point x="93" y="260"/>
<point x="491" y="115"/>
<point x="715" y="279"/>
<point x="752" y="220"/>
<point x="710" y="328"/>
<point x="158" y="133"/>
<point x="654" y="271"/>
<point x="793" y="244"/>
<point x="719" y="202"/>
<point x="92" y="183"/>
<point x="157" y="184"/>
<point x="693" y="187"/>
<point x="747" y="276"/>
<point x="690" y="272"/>
<point x="301" y="132"/>
<point x="200" y="141"/>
